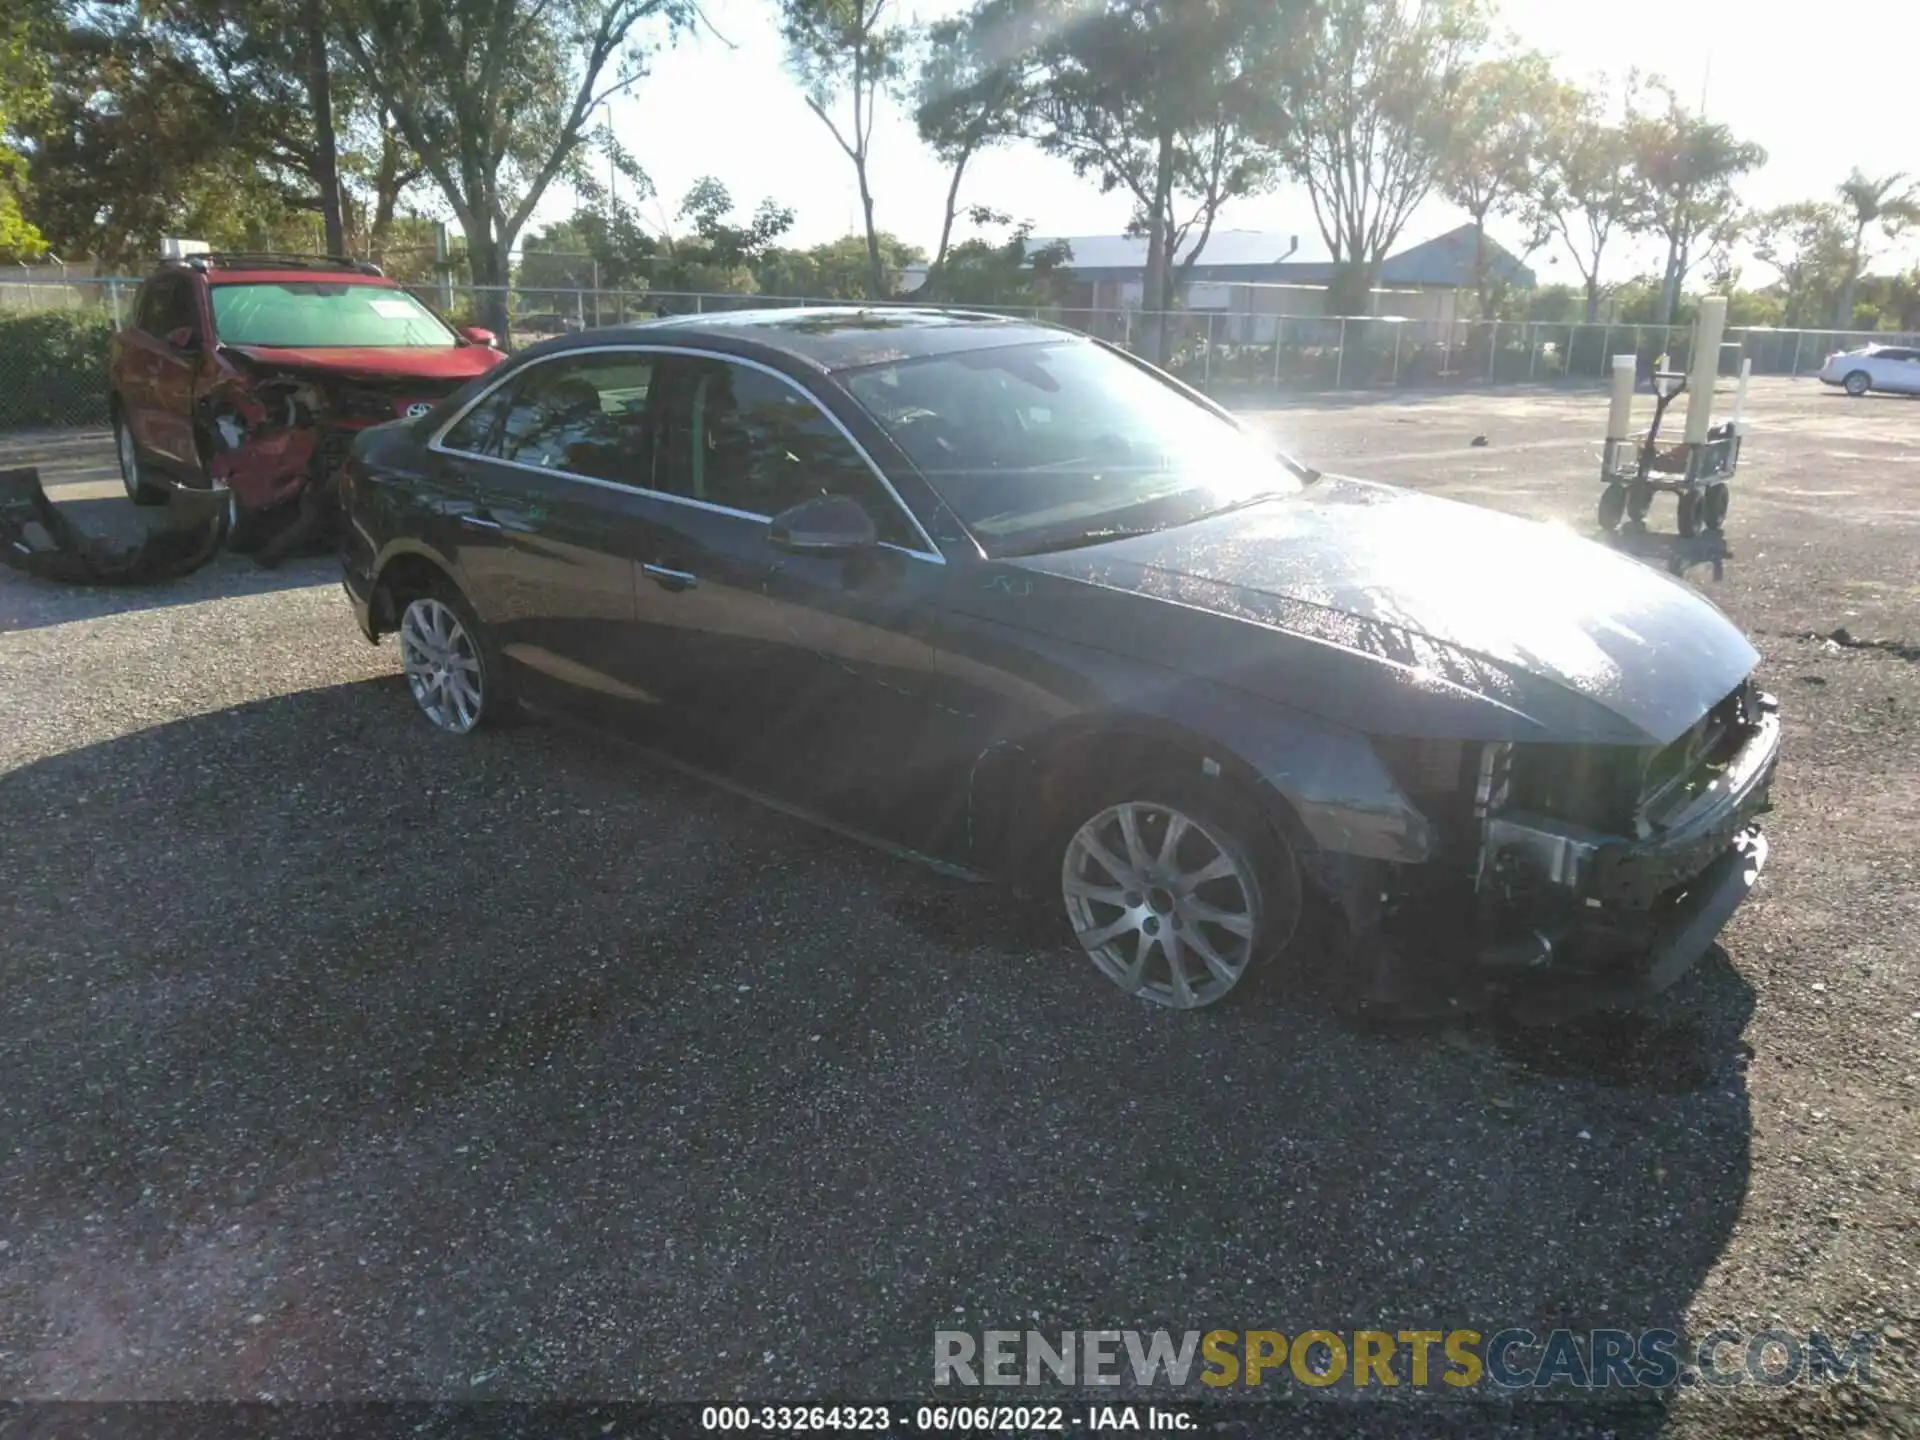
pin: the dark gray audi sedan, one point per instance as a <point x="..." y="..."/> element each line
<point x="1007" y="598"/>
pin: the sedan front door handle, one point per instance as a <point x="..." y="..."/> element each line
<point x="480" y="522"/>
<point x="668" y="579"/>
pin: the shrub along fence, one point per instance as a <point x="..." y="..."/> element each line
<point x="53" y="368"/>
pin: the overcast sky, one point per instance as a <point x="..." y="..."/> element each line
<point x="1820" y="97"/>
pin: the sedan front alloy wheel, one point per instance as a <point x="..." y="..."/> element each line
<point x="1166" y="903"/>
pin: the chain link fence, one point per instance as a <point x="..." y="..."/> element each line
<point x="53" y="338"/>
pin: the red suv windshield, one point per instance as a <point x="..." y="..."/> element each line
<point x="319" y="314"/>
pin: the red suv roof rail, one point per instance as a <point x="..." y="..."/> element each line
<point x="275" y="260"/>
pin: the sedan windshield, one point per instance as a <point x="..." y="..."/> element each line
<point x="1050" y="445"/>
<point x="320" y="315"/>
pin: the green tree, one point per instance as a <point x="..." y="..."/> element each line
<point x="277" y="66"/>
<point x="1888" y="302"/>
<point x="156" y="111"/>
<point x="1586" y="191"/>
<point x="496" y="98"/>
<point x="837" y="270"/>
<point x="708" y="205"/>
<point x="1171" y="102"/>
<point x="28" y="33"/>
<point x="1504" y="110"/>
<point x="1372" y="122"/>
<point x="1807" y="243"/>
<point x="1888" y="204"/>
<point x="1007" y="273"/>
<point x="851" y="52"/>
<point x="973" y="90"/>
<point x="136" y="141"/>
<point x="1686" y="166"/>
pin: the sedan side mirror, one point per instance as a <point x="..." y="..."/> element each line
<point x="181" y="338"/>
<point x="478" y="336"/>
<point x="824" y="525"/>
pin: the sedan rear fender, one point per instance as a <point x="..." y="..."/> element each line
<point x="401" y="565"/>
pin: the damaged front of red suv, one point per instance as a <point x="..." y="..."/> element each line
<point x="279" y="420"/>
<point x="304" y="360"/>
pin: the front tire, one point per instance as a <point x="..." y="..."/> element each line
<point x="1613" y="506"/>
<point x="1175" y="890"/>
<point x="1858" y="383"/>
<point x="1714" y="508"/>
<point x="1687" y="514"/>
<point x="452" y="667"/>
<point x="140" y="490"/>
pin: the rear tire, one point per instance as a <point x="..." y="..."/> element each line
<point x="140" y="490"/>
<point x="1858" y="383"/>
<point x="1177" y="889"/>
<point x="454" y="670"/>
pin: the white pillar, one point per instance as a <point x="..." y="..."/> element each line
<point x="1704" y="366"/>
<point x="1740" y="396"/>
<point x="1620" y="414"/>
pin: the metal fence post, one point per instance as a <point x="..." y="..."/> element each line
<point x="1206" y="364"/>
<point x="1279" y="325"/>
<point x="1533" y="350"/>
<point x="1396" y="353"/>
<point x="1340" y="354"/>
<point x="1798" y="337"/>
<point x="1493" y="346"/>
<point x="1606" y="349"/>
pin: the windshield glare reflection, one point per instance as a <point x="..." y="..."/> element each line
<point x="1059" y="443"/>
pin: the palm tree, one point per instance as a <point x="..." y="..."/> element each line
<point x="1887" y="202"/>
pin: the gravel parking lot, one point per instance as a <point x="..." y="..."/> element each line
<point x="341" y="1059"/>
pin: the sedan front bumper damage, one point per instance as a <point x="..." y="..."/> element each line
<point x="1563" y="919"/>
<point x="1684" y="934"/>
<point x="1633" y="916"/>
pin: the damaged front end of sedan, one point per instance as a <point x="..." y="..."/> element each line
<point x="1568" y="877"/>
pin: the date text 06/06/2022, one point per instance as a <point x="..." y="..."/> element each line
<point x="935" y="1419"/>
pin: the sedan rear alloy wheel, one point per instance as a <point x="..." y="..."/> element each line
<point x="443" y="665"/>
<point x="1858" y="383"/>
<point x="1167" y="905"/>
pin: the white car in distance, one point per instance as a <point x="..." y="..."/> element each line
<point x="1892" y="368"/>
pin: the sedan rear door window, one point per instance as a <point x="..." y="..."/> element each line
<point x="581" y="415"/>
<point x="750" y="441"/>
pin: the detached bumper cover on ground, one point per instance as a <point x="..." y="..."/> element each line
<point x="37" y="539"/>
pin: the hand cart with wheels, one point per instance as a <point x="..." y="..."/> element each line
<point x="1695" y="470"/>
<point x="1636" y="468"/>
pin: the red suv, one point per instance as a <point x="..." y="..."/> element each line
<point x="252" y="373"/>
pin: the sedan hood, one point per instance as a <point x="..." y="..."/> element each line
<point x="1555" y="636"/>
<point x="452" y="363"/>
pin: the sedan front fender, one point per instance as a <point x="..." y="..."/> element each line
<point x="1330" y="779"/>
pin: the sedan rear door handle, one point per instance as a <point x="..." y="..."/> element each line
<point x="668" y="579"/>
<point x="480" y="522"/>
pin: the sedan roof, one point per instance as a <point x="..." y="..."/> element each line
<point x="834" y="338"/>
